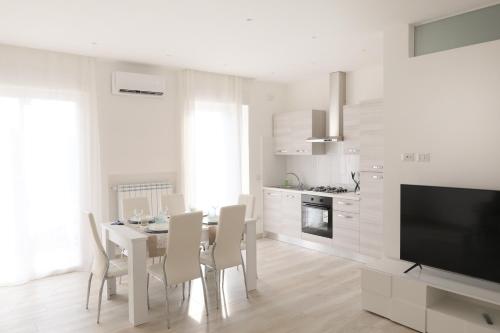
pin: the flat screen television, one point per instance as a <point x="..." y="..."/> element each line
<point x="453" y="229"/>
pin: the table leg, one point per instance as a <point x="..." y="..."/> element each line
<point x="251" y="255"/>
<point x="137" y="284"/>
<point x="110" y="250"/>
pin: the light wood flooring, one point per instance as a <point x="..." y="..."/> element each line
<point x="299" y="290"/>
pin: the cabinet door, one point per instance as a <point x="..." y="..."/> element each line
<point x="351" y="119"/>
<point x="272" y="211"/>
<point x="371" y="213"/>
<point x="291" y="129"/>
<point x="291" y="213"/>
<point x="281" y="133"/>
<point x="371" y="138"/>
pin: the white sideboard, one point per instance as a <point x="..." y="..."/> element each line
<point x="430" y="300"/>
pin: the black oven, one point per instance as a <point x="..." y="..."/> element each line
<point x="317" y="215"/>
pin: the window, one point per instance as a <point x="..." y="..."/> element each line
<point x="39" y="187"/>
<point x="218" y="155"/>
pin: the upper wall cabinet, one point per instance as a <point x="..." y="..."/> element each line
<point x="351" y="116"/>
<point x="372" y="137"/>
<point x="291" y="129"/>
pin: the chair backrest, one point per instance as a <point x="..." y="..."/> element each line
<point x="130" y="204"/>
<point x="174" y="203"/>
<point x="182" y="262"/>
<point x="249" y="201"/>
<point x="100" y="261"/>
<point x="227" y="252"/>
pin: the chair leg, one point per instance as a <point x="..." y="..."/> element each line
<point x="244" y="273"/>
<point x="168" y="311"/>
<point x="100" y="300"/>
<point x="204" y="286"/>
<point x="189" y="289"/>
<point x="88" y="290"/>
<point x="147" y="290"/>
<point x="183" y="289"/>
<point x="217" y="287"/>
<point x="223" y="272"/>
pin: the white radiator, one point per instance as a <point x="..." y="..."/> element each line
<point x="152" y="191"/>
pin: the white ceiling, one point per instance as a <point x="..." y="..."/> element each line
<point x="266" y="39"/>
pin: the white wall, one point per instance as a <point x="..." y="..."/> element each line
<point x="140" y="137"/>
<point x="264" y="99"/>
<point x="334" y="167"/>
<point x="448" y="104"/>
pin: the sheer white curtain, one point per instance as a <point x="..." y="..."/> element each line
<point x="211" y="106"/>
<point x="49" y="162"/>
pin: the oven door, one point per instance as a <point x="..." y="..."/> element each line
<point x="317" y="220"/>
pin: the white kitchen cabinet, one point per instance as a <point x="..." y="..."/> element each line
<point x="291" y="129"/>
<point x="291" y="214"/>
<point x="372" y="137"/>
<point x="371" y="214"/>
<point x="351" y="129"/>
<point x="272" y="211"/>
<point x="282" y="213"/>
<point x="345" y="224"/>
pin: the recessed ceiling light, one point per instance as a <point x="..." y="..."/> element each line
<point x="249" y="19"/>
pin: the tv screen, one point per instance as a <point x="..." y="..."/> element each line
<point x="454" y="229"/>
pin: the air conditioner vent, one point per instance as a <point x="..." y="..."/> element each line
<point x="124" y="83"/>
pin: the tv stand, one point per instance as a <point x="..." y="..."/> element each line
<point x="430" y="300"/>
<point x="412" y="267"/>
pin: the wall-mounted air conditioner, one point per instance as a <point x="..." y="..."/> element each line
<point x="124" y="83"/>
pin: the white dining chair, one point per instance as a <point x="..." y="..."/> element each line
<point x="173" y="203"/>
<point x="131" y="204"/>
<point x="182" y="260"/>
<point x="226" y="250"/>
<point x="103" y="267"/>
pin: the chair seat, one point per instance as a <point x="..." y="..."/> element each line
<point x="156" y="270"/>
<point x="117" y="267"/>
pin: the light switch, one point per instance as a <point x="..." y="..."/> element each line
<point x="408" y="157"/>
<point x="424" y="157"/>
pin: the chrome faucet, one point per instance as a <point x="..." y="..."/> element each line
<point x="300" y="186"/>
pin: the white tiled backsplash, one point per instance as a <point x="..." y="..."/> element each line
<point x="333" y="168"/>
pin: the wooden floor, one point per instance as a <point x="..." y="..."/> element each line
<point x="299" y="290"/>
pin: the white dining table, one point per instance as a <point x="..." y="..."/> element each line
<point x="134" y="241"/>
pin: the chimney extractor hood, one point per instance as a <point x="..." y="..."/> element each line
<point x="337" y="101"/>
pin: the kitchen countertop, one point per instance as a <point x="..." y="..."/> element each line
<point x="345" y="195"/>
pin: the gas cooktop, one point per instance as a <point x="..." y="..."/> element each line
<point x="328" y="189"/>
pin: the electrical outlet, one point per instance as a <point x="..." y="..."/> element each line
<point x="424" y="157"/>
<point x="408" y="157"/>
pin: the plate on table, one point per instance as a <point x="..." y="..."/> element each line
<point x="159" y="228"/>
<point x="211" y="220"/>
<point x="135" y="220"/>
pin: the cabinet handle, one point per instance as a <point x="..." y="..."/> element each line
<point x="378" y="177"/>
<point x="377" y="167"/>
<point x="352" y="150"/>
<point x="344" y="216"/>
<point x="343" y="203"/>
<point x="281" y="151"/>
<point x="300" y="150"/>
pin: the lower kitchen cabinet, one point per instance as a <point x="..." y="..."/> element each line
<point x="272" y="211"/>
<point x="371" y="211"/>
<point x="282" y="213"/>
<point x="290" y="214"/>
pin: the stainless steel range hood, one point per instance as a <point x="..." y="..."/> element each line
<point x="337" y="101"/>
